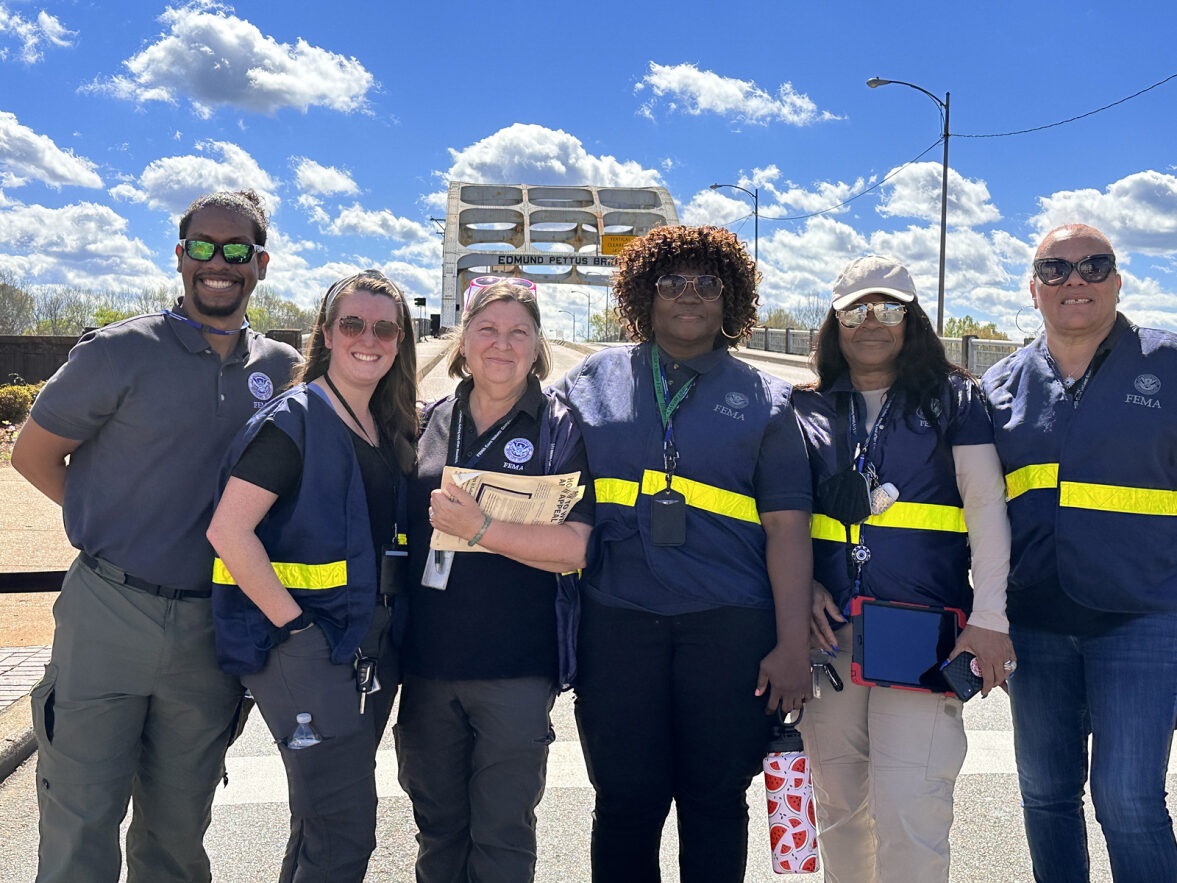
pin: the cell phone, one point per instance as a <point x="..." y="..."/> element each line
<point x="902" y="645"/>
<point x="962" y="677"/>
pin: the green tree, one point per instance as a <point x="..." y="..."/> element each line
<point x="604" y="325"/>
<point x="959" y="327"/>
<point x="60" y="311"/>
<point x="16" y="306"/>
<point x="268" y="311"/>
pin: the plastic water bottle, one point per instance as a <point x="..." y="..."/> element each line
<point x="792" y="827"/>
<point x="305" y="735"/>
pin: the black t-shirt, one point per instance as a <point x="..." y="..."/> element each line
<point x="272" y="461"/>
<point x="496" y="617"/>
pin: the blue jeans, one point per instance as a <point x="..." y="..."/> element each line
<point x="1121" y="689"/>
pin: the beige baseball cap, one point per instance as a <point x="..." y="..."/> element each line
<point x="870" y="274"/>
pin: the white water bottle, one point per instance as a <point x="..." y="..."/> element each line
<point x="792" y="828"/>
<point x="305" y="735"/>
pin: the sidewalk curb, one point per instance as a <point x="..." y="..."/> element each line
<point x="17" y="741"/>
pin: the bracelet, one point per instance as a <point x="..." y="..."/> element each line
<point x="474" y="540"/>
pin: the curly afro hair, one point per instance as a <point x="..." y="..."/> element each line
<point x="670" y="249"/>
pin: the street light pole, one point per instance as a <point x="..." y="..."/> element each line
<point x="566" y="313"/>
<point x="588" y="311"/>
<point x="755" y="194"/>
<point x="875" y="82"/>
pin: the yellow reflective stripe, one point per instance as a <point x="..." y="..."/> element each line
<point x="913" y="516"/>
<point x="616" y="490"/>
<point x="822" y="527"/>
<point x="294" y="576"/>
<point x="699" y="495"/>
<point x="707" y="497"/>
<point x="921" y="516"/>
<point x="1114" y="498"/>
<point x="1036" y="477"/>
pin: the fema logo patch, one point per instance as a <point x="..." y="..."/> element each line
<point x="1148" y="384"/>
<point x="736" y="400"/>
<point x="261" y="386"/>
<point x="518" y="450"/>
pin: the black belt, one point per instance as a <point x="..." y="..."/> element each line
<point x="108" y="571"/>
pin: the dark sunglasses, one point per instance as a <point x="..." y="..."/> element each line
<point x="385" y="331"/>
<point x="885" y="312"/>
<point x="1093" y="268"/>
<point x="232" y="252"/>
<point x="672" y="285"/>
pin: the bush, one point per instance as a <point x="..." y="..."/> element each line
<point x="16" y="400"/>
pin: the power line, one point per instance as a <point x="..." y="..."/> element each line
<point x="1072" y="119"/>
<point x="858" y="195"/>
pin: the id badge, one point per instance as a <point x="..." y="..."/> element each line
<point x="668" y="518"/>
<point x="437" y="569"/>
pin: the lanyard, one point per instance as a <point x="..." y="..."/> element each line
<point x="202" y="327"/>
<point x="666" y="410"/>
<point x="863" y="449"/>
<point x="460" y="430"/>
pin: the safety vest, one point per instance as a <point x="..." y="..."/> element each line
<point x="919" y="546"/>
<point x="319" y="539"/>
<point x="718" y="431"/>
<point x="1092" y="484"/>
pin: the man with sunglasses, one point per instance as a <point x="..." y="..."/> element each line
<point x="128" y="437"/>
<point x="1086" y="425"/>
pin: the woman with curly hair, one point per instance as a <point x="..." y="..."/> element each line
<point x="697" y="589"/>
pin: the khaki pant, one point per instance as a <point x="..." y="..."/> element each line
<point x="132" y="708"/>
<point x="884" y="765"/>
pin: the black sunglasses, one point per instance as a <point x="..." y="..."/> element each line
<point x="1093" y="268"/>
<point x="232" y="252"/>
<point x="673" y="285"/>
<point x="385" y="331"/>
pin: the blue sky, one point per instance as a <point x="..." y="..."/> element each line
<point x="350" y="117"/>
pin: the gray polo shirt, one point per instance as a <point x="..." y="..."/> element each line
<point x="155" y="409"/>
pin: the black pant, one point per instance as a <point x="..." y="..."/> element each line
<point x="666" y="710"/>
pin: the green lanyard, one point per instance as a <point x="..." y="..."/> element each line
<point x="666" y="411"/>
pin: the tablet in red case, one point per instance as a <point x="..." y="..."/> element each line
<point x="902" y="645"/>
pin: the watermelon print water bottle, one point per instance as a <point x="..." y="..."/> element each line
<point x="792" y="825"/>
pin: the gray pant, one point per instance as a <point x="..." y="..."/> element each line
<point x="473" y="757"/>
<point x="332" y="785"/>
<point x="132" y="708"/>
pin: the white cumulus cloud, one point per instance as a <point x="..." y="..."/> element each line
<point x="685" y="88"/>
<point x="914" y="192"/>
<point x="26" y="156"/>
<point x="355" y="220"/>
<point x="84" y="245"/>
<point x="538" y="155"/>
<point x="214" y="59"/>
<point x="1137" y="213"/>
<point x="172" y="182"/>
<point x="319" y="180"/>
<point x="30" y="36"/>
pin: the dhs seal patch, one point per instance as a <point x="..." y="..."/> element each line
<point x="261" y="386"/>
<point x="1148" y="384"/>
<point x="736" y="400"/>
<point x="518" y="450"/>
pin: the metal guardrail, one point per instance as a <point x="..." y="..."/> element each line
<point x="971" y="353"/>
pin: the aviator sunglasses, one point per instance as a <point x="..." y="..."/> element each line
<point x="886" y="313"/>
<point x="673" y="285"/>
<point x="386" y="331"/>
<point x="1093" y="268"/>
<point x="232" y="252"/>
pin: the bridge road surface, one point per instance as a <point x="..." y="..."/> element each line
<point x="249" y="826"/>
